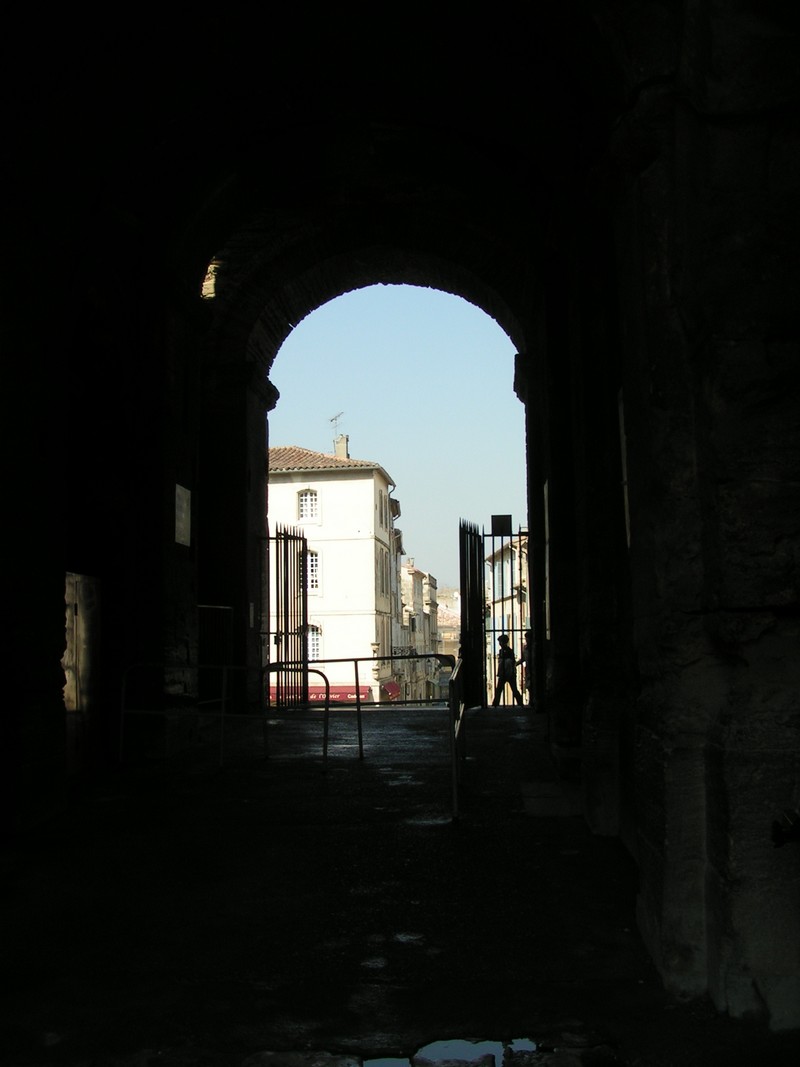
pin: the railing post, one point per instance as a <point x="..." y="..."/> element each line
<point x="458" y="718"/>
<point x="358" y="712"/>
<point x="454" y="730"/>
<point x="265" y="710"/>
<point x="326" y="726"/>
<point x="453" y="750"/>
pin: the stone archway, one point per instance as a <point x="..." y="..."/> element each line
<point x="253" y="312"/>
<point x="628" y="221"/>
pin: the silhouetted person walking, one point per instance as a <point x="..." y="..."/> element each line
<point x="506" y="671"/>
<point x="527" y="664"/>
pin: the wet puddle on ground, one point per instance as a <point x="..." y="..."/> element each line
<point x="458" y="1051"/>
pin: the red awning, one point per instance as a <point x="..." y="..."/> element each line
<point x="391" y="689"/>
<point x="316" y="694"/>
<point x="339" y="692"/>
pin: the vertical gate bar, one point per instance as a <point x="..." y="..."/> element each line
<point x="358" y="712"/>
<point x="304" y="615"/>
<point x="291" y="610"/>
<point x="473" y="618"/>
<point x="288" y="615"/>
<point x="326" y="728"/>
<point x="281" y="644"/>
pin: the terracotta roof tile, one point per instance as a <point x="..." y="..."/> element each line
<point x="294" y="458"/>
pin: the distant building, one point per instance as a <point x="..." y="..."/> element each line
<point x="356" y="610"/>
<point x="449" y="630"/>
<point x="421" y="623"/>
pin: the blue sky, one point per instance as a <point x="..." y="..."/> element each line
<point x="422" y="382"/>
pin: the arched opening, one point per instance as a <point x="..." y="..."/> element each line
<point x="422" y="383"/>
<point x="252" y="318"/>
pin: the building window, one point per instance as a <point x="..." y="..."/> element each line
<point x="314" y="642"/>
<point x="382" y="570"/>
<point x="313" y="572"/>
<point x="307" y="506"/>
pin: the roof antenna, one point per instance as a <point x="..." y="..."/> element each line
<point x="335" y="421"/>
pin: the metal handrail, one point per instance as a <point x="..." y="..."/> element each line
<point x="445" y="659"/>
<point x="457" y="707"/>
<point x="458" y="722"/>
<point x="303" y="667"/>
<point x="281" y="666"/>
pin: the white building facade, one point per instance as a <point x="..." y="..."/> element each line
<point x="345" y="509"/>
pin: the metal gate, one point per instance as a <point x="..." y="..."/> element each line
<point x="494" y="600"/>
<point x="287" y="596"/>
<point x="507" y="600"/>
<point x="473" y="614"/>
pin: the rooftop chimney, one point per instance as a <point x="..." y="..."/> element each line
<point x="341" y="446"/>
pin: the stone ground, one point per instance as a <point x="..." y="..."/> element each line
<point x="282" y="911"/>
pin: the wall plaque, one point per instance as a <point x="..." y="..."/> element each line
<point x="183" y="515"/>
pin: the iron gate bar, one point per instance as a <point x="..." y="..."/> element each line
<point x="287" y="594"/>
<point x="456" y="708"/>
<point x="473" y="613"/>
